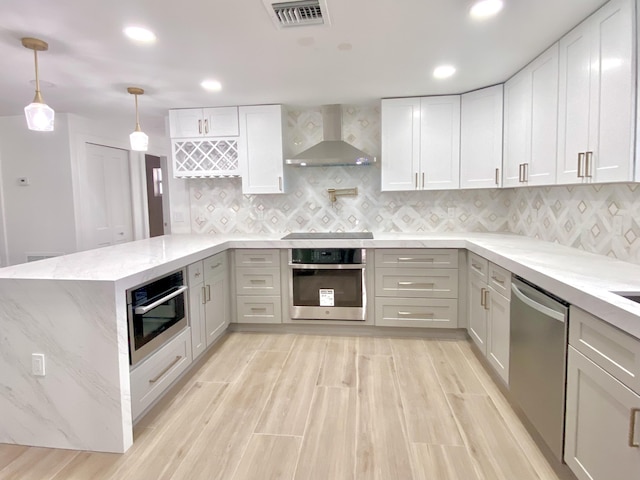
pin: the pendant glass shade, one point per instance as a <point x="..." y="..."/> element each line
<point x="139" y="141"/>
<point x="40" y="117"/>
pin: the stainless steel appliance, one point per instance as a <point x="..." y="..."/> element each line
<point x="156" y="312"/>
<point x="537" y="366"/>
<point x="327" y="284"/>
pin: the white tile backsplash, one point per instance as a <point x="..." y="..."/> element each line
<point x="579" y="216"/>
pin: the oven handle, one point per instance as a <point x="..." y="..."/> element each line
<point x="144" y="309"/>
<point x="326" y="266"/>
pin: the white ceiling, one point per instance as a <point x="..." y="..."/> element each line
<point x="395" y="44"/>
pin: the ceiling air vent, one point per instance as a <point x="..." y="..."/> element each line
<point x="298" y="13"/>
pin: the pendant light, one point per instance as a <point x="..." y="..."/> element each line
<point x="139" y="140"/>
<point x="39" y="115"/>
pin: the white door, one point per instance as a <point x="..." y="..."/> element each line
<point x="440" y="142"/>
<point x="598" y="423"/>
<point x="106" y="197"/>
<point x="517" y="128"/>
<point x="197" y="299"/>
<point x="400" y="144"/>
<point x="544" y="119"/>
<point x="186" y="123"/>
<point x="260" y="149"/>
<point x="477" y="313"/>
<point x="612" y="94"/>
<point x="481" y="138"/>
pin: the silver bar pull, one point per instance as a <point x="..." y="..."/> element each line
<point x="520" y="175"/>
<point x="581" y="165"/>
<point x="482" y="290"/>
<point x="415" y="315"/>
<point x="632" y="428"/>
<point x="416" y="180"/>
<point x="258" y="309"/>
<point x="280" y="183"/>
<point x="525" y="171"/>
<point x="213" y="267"/>
<point x="165" y="370"/>
<point x="204" y="296"/>
<point x="416" y="284"/>
<point x="411" y="259"/>
<point x="497" y="176"/>
<point x="206" y="126"/>
<point x="476" y="267"/>
<point x="496" y="279"/>
<point x="486" y="299"/>
<point x="145" y="308"/>
<point x="200" y="127"/>
<point x="423" y="180"/>
<point x="208" y="293"/>
<point x="258" y="281"/>
<point x="588" y="165"/>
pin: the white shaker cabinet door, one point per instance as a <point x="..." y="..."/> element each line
<point x="260" y="149"/>
<point x="596" y="99"/>
<point x="197" y="300"/>
<point x="481" y="138"/>
<point x="186" y="123"/>
<point x="400" y="144"/>
<point x="440" y="143"/>
<point x="477" y="312"/>
<point x="517" y="128"/>
<point x="599" y="423"/>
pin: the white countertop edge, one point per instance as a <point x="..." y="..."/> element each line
<point x="581" y="278"/>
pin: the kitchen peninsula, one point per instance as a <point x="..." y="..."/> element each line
<point x="72" y="309"/>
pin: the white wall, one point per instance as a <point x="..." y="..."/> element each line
<point x="39" y="218"/>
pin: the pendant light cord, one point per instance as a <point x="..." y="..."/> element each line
<point x="137" y="118"/>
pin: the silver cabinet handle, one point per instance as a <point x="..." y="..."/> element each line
<point x="588" y="165"/>
<point x="476" y="267"/>
<point x="497" y="176"/>
<point x="258" y="260"/>
<point x="165" y="370"/>
<point x="204" y="296"/>
<point x="200" y="127"/>
<point x="482" y="290"/>
<point x="208" y="293"/>
<point x="416" y="180"/>
<point x="416" y="284"/>
<point x="213" y="267"/>
<point x="258" y="309"/>
<point x="145" y="308"/>
<point x="280" y="183"/>
<point x="486" y="298"/>
<point x="496" y="279"/>
<point x="423" y="180"/>
<point x="415" y="314"/>
<point x="520" y="174"/>
<point x="258" y="281"/>
<point x="525" y="171"/>
<point x="197" y="274"/>
<point x="632" y="428"/>
<point x="411" y="259"/>
<point x="206" y="126"/>
<point x="580" y="165"/>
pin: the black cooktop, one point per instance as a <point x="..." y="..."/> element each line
<point x="328" y="236"/>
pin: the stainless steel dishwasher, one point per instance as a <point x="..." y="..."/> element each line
<point x="537" y="366"/>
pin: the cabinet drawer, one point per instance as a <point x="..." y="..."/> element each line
<point x="195" y="273"/>
<point x="152" y="377"/>
<point x="413" y="282"/>
<point x="416" y="312"/>
<point x="478" y="266"/>
<point x="500" y="280"/>
<point x="423" y="257"/>
<point x="615" y="351"/>
<point x="258" y="281"/>
<point x="215" y="264"/>
<point x="257" y="258"/>
<point x="254" y="309"/>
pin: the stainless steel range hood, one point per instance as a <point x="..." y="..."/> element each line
<point x="332" y="150"/>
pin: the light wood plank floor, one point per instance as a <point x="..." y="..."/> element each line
<point x="313" y="407"/>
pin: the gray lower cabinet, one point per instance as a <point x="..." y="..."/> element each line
<point x="209" y="308"/>
<point x="602" y="430"/>
<point x="258" y="286"/>
<point x="416" y="288"/>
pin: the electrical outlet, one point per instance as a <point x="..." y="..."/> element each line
<point x="617" y="225"/>
<point x="37" y="364"/>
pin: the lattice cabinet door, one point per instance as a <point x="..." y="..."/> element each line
<point x="205" y="158"/>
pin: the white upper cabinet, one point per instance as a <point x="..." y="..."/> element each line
<point x="531" y="123"/>
<point x="260" y="149"/>
<point x="481" y="138"/>
<point x="204" y="122"/>
<point x="596" y="99"/>
<point x="420" y="143"/>
<point x="400" y="143"/>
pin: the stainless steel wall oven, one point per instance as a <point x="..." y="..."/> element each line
<point x="155" y="313"/>
<point x="327" y="284"/>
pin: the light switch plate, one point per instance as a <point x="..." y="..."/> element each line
<point x="37" y="364"/>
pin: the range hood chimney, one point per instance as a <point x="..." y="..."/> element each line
<point x="332" y="150"/>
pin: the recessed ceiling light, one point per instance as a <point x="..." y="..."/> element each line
<point x="444" y="71"/>
<point x="486" y="8"/>
<point x="140" y="34"/>
<point x="211" y="85"/>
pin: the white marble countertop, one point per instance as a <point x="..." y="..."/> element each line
<point x="581" y="278"/>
